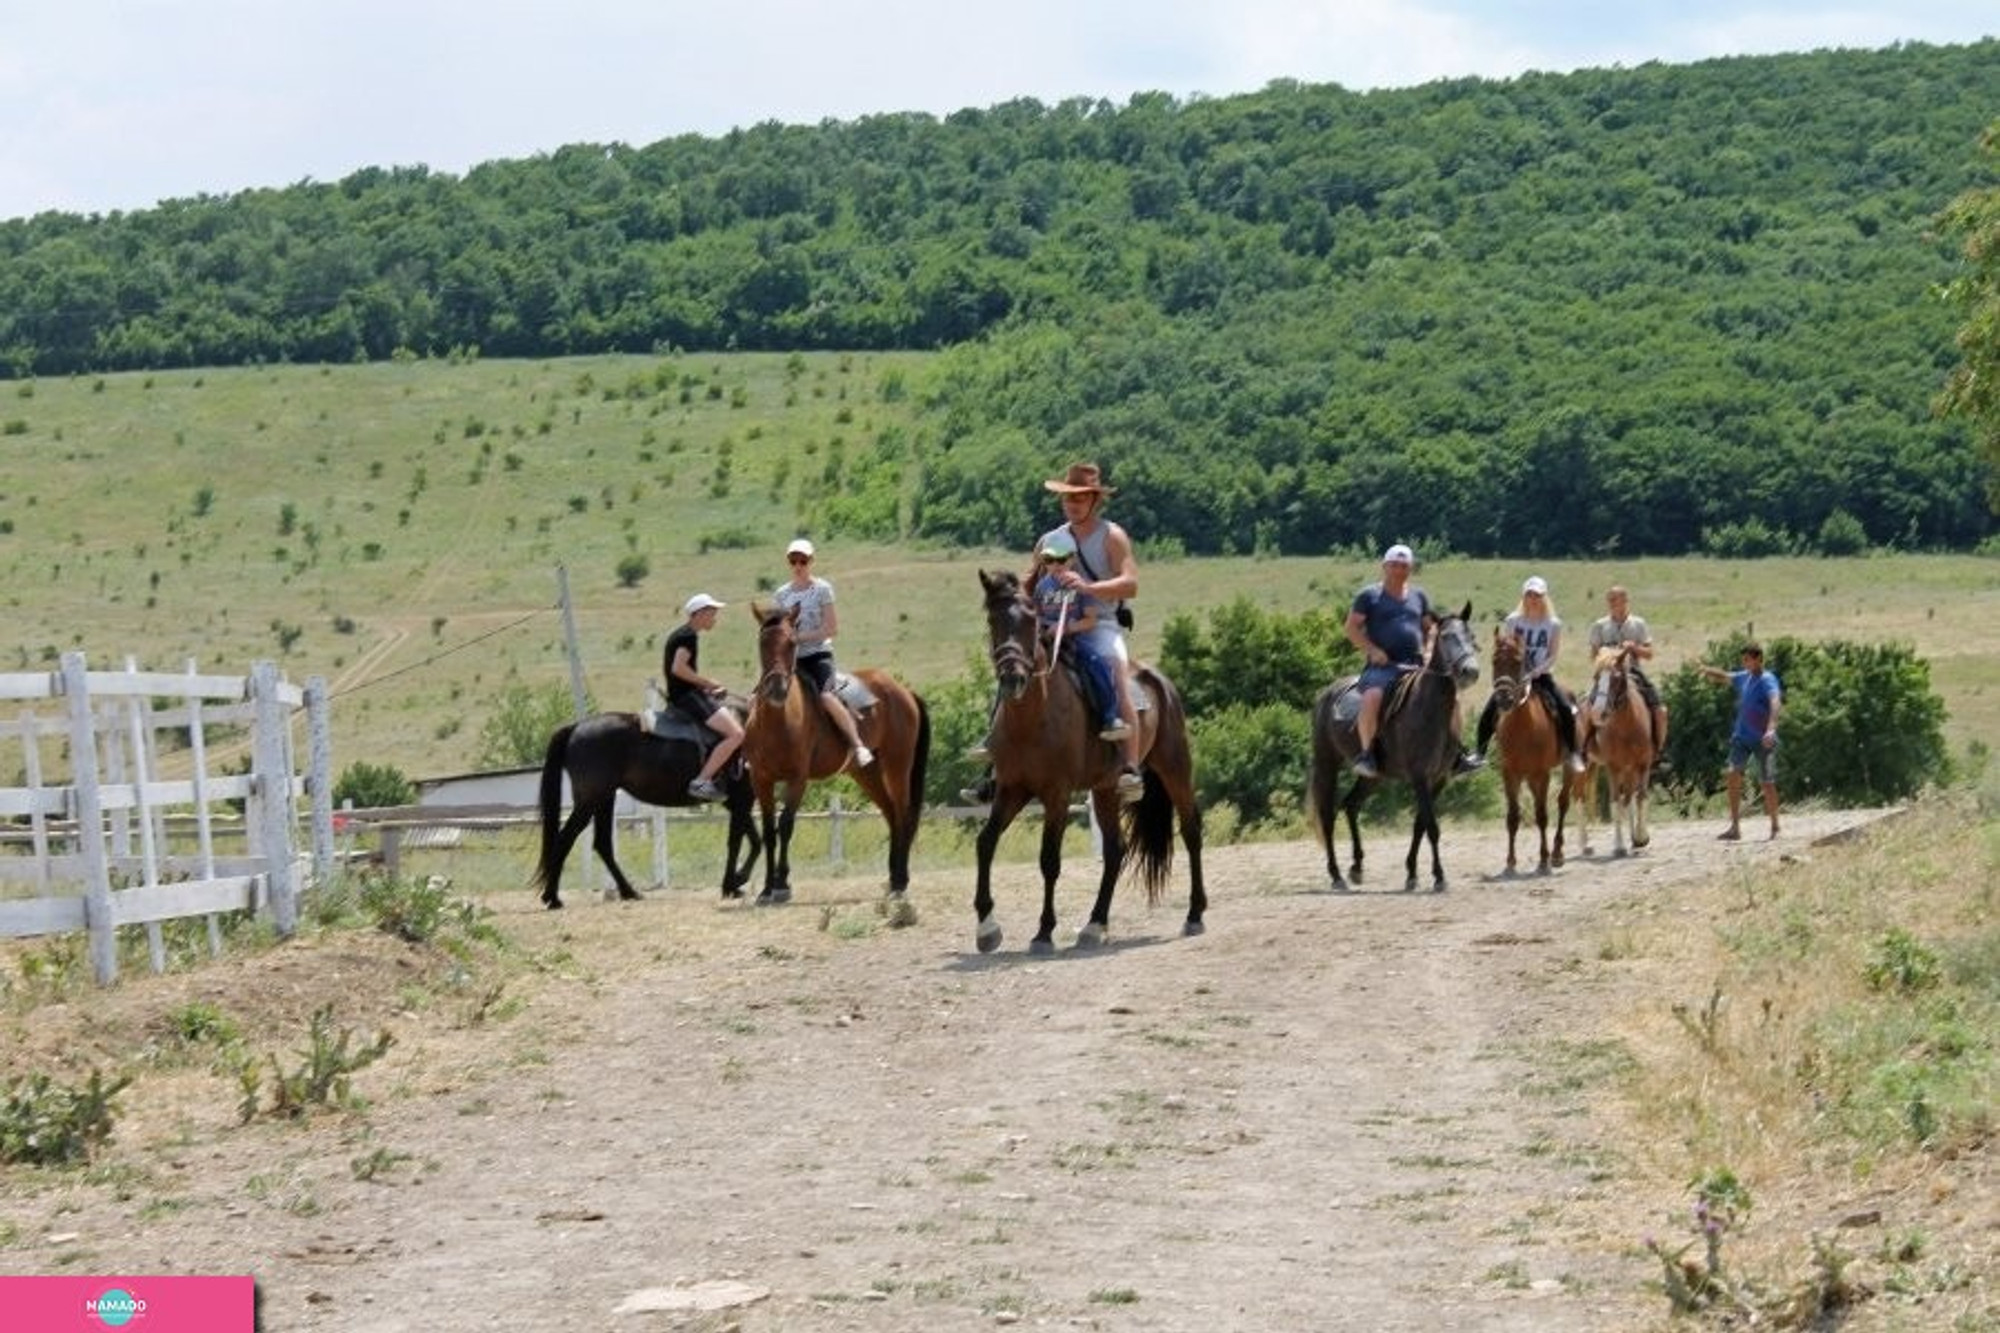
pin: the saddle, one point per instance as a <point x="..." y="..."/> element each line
<point x="670" y="723"/>
<point x="1347" y="698"/>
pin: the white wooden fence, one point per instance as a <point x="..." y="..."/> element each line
<point x="77" y="828"/>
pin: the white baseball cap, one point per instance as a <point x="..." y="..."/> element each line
<point x="800" y="546"/>
<point x="701" y="601"/>
<point x="1398" y="554"/>
<point x="1536" y="584"/>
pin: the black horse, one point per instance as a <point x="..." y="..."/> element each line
<point x="609" y="751"/>
<point x="1417" y="740"/>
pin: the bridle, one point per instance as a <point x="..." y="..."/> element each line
<point x="1460" y="659"/>
<point x="1016" y="650"/>
<point x="776" y="682"/>
<point x="1509" y="662"/>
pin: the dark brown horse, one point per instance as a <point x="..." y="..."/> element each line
<point x="609" y="752"/>
<point x="1621" y="748"/>
<point x="1530" y="746"/>
<point x="1045" y="747"/>
<point x="1418" y="743"/>
<point x="791" y="741"/>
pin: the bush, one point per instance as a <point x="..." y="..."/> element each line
<point x="1253" y="657"/>
<point x="1255" y="758"/>
<point x="45" y="1123"/>
<point x="372" y="786"/>
<point x="518" y="726"/>
<point x="632" y="570"/>
<point x="1860" y="723"/>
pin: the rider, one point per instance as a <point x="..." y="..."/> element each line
<point x="814" y="631"/>
<point x="1535" y="625"/>
<point x="1391" y="623"/>
<point x="1062" y="612"/>
<point x="1109" y="575"/>
<point x="1622" y="629"/>
<point x="696" y="695"/>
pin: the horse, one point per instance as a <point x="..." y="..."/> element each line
<point x="1529" y="748"/>
<point x="609" y="752"/>
<point x="1045" y="746"/>
<point x="1621" y="748"/>
<point x="1417" y="742"/>
<point x="790" y="740"/>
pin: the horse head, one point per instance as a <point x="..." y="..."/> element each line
<point x="1509" y="667"/>
<point x="1608" y="670"/>
<point x="1013" y="631"/>
<point x="777" y="647"/>
<point x="1455" y="653"/>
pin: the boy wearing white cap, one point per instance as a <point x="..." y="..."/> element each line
<point x="698" y="696"/>
<point x="1534" y="623"/>
<point x="812" y="597"/>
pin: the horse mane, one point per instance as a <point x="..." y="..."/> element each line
<point x="1607" y="657"/>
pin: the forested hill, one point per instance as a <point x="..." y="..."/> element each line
<point x="1644" y="310"/>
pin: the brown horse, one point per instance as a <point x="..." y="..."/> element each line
<point x="1622" y="748"/>
<point x="790" y="740"/>
<point x="1045" y="747"/>
<point x="1529" y="748"/>
<point x="1417" y="741"/>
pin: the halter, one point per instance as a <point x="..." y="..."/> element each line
<point x="776" y="682"/>
<point x="1507" y="687"/>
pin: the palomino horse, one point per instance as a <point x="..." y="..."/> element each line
<point x="1418" y="743"/>
<point x="791" y="740"/>
<point x="1529" y="748"/>
<point x="607" y="752"/>
<point x="1622" y="748"/>
<point x="1045" y="746"/>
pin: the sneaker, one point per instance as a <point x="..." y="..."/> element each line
<point x="704" y="790"/>
<point x="1468" y="762"/>
<point x="1576" y="764"/>
<point x="1364" y="767"/>
<point x="1131" y="786"/>
<point x="980" y="793"/>
<point x="1114" y="730"/>
<point x="863" y="756"/>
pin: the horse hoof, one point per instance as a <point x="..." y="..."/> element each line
<point x="987" y="937"/>
<point x="553" y="904"/>
<point x="1193" y="928"/>
<point x="1641" y="842"/>
<point x="731" y="892"/>
<point x="1619" y="853"/>
<point x="1341" y="886"/>
<point x="1410" y="884"/>
<point x="1438" y="887"/>
<point x="901" y="912"/>
<point x="1041" y="946"/>
<point x="1090" y="937"/>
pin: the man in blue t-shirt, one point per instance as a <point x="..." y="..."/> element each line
<point x="1754" y="737"/>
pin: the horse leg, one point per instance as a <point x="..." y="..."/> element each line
<point x="1190" y="816"/>
<point x="1562" y="812"/>
<point x="564" y="840"/>
<point x="601" y="838"/>
<point x="1620" y="809"/>
<point x="1542" y="822"/>
<point x="986" y="930"/>
<point x="1110" y="830"/>
<point x="1641" y="793"/>
<point x="1513" y="817"/>
<point x="1325" y="788"/>
<point x="1055" y="814"/>
<point x="1350" y="806"/>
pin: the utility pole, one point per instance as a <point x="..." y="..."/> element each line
<point x="570" y="645"/>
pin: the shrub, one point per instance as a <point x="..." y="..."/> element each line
<point x="45" y="1123"/>
<point x="518" y="725"/>
<point x="1255" y="758"/>
<point x="371" y="786"/>
<point x="632" y="570"/>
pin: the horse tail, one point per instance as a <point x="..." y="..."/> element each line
<point x="551" y="804"/>
<point x="920" y="759"/>
<point x="1149" y="821"/>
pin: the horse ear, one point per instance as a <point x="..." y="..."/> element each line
<point x="1466" y="614"/>
<point x="757" y="611"/>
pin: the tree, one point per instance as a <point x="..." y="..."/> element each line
<point x="1973" y="390"/>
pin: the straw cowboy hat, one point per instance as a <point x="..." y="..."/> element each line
<point x="1081" y="479"/>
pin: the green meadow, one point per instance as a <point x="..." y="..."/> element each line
<point x="398" y="528"/>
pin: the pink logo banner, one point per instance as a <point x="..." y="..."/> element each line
<point x="143" y="1304"/>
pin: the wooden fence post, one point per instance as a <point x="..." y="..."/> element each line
<point x="271" y="792"/>
<point x="319" y="778"/>
<point x="87" y="811"/>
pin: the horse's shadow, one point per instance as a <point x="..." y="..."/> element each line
<point x="968" y="963"/>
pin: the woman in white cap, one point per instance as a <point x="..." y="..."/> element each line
<point x="817" y="622"/>
<point x="1535" y="624"/>
<point x="698" y="696"/>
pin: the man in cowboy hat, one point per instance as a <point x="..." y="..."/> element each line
<point x="1104" y="575"/>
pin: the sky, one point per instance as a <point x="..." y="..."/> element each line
<point x="120" y="104"/>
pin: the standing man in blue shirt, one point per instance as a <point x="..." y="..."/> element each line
<point x="1759" y="699"/>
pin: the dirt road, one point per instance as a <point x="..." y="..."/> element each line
<point x="1370" y="1111"/>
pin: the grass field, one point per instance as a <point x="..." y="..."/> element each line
<point x="398" y="528"/>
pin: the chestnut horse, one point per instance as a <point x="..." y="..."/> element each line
<point x="1622" y="748"/>
<point x="790" y="740"/>
<point x="1418" y="743"/>
<point x="1529" y="747"/>
<point x="1045" y="746"/>
<point x="607" y="752"/>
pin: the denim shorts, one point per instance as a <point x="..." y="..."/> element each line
<point x="1753" y="755"/>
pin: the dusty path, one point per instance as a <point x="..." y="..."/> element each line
<point x="1357" y="1112"/>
